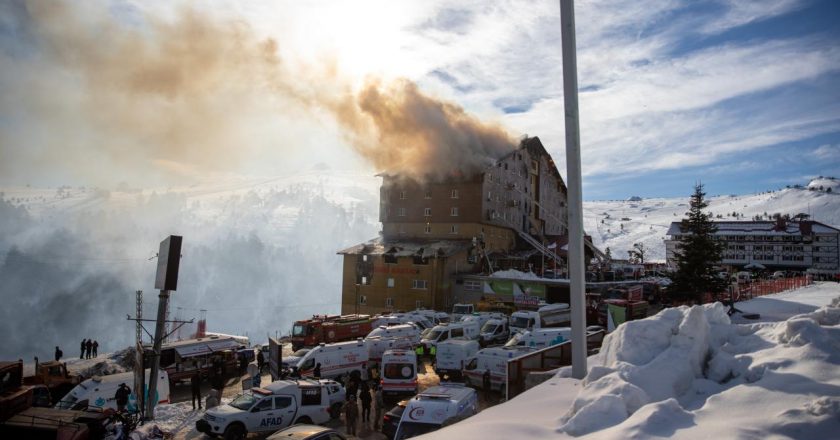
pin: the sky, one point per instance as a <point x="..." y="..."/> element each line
<point x="743" y="96"/>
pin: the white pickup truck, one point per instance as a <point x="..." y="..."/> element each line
<point x="278" y="405"/>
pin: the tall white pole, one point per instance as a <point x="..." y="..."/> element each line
<point x="576" y="256"/>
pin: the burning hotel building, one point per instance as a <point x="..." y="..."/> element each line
<point x="511" y="214"/>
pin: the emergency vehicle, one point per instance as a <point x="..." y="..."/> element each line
<point x="408" y="331"/>
<point x="494" y="331"/>
<point x="336" y="359"/>
<point x="399" y="373"/>
<point x="493" y="359"/>
<point x="442" y="332"/>
<point x="435" y="408"/>
<point x="550" y="315"/>
<point x="97" y="393"/>
<point x="329" y="329"/>
<point x="377" y="346"/>
<point x="452" y="356"/>
<point x="536" y="339"/>
<point x="278" y="405"/>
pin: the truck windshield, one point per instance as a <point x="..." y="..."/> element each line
<point x="244" y="401"/>
<point x="434" y="335"/>
<point x="413" y="429"/>
<point x="489" y="327"/>
<point x="514" y="341"/>
<point x="462" y="309"/>
<point x="399" y="371"/>
<point x="519" y="321"/>
<point x="299" y="330"/>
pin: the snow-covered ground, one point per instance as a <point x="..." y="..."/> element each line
<point x="691" y="373"/>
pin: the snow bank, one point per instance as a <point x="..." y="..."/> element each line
<point x="515" y="274"/>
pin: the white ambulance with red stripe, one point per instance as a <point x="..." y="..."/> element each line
<point x="336" y="360"/>
<point x="399" y="373"/>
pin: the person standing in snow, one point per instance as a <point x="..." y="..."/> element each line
<point x="121" y="396"/>
<point x="379" y="402"/>
<point x="82" y="355"/>
<point x="58" y="353"/>
<point x="364" y="396"/>
<point x="195" y="387"/>
<point x="260" y="359"/>
<point x="88" y="348"/>
<point x="95" y="349"/>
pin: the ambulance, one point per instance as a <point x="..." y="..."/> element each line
<point x="399" y="373"/>
<point x="442" y="332"/>
<point x="494" y="359"/>
<point x="336" y="359"/>
<point x="377" y="346"/>
<point x="397" y="331"/>
<point x="541" y="338"/>
<point x="435" y="408"/>
<point x="97" y="393"/>
<point x="278" y="405"/>
<point x="452" y="356"/>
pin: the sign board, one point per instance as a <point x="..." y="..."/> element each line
<point x="169" y="258"/>
<point x="275" y="358"/>
<point x="526" y="300"/>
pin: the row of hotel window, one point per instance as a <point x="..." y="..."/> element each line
<point x="769" y="248"/>
<point x="763" y="257"/>
<point x="427" y="212"/>
<point x="389" y="302"/>
<point x="793" y="238"/>
<point x="453" y="194"/>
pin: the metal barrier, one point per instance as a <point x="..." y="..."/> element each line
<point x="545" y="359"/>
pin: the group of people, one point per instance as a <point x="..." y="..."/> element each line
<point x="369" y="394"/>
<point x="89" y="349"/>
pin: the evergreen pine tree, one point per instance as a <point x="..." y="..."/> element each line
<point x="697" y="253"/>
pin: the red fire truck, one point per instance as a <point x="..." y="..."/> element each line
<point x="328" y="329"/>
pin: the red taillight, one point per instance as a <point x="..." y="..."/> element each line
<point x="386" y="418"/>
<point x="381" y="381"/>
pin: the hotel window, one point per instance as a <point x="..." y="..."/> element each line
<point x="453" y="194"/>
<point x="389" y="302"/>
<point x="400" y="212"/>
<point x="390" y="282"/>
<point x="427" y="229"/>
<point x="427" y="212"/>
<point x="362" y="299"/>
<point x="453" y="211"/>
<point x="418" y="304"/>
<point x="428" y="194"/>
<point x="402" y="195"/>
<point x="453" y="229"/>
<point x="419" y="284"/>
<point x="472" y="286"/>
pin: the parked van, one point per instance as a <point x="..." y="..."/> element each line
<point x="417" y="320"/>
<point x="493" y="359"/>
<point x="541" y="338"/>
<point x="442" y="332"/>
<point x="336" y="359"/>
<point x="550" y="315"/>
<point x="494" y="331"/>
<point x="435" y="408"/>
<point x="402" y="331"/>
<point x="378" y="346"/>
<point x="460" y="310"/>
<point x="452" y="356"/>
<point x="433" y="316"/>
<point x="278" y="405"/>
<point x="399" y="373"/>
<point x="97" y="393"/>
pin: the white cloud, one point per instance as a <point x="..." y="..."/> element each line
<point x="828" y="152"/>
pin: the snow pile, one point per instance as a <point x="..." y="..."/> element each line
<point x="515" y="274"/>
<point x="824" y="183"/>
<point x="103" y="365"/>
<point x="647" y="361"/>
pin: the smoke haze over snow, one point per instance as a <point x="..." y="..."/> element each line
<point x="256" y="256"/>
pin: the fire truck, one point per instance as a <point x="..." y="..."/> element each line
<point x="329" y="329"/>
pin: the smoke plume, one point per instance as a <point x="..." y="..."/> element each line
<point x="100" y="93"/>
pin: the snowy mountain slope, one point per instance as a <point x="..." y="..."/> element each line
<point x="620" y="224"/>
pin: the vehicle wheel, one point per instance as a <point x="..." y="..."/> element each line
<point x="235" y="432"/>
<point x="304" y="420"/>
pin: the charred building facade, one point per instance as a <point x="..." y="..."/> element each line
<point x="435" y="230"/>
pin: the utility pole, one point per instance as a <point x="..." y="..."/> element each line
<point x="573" y="171"/>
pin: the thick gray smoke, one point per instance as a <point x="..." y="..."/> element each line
<point x="255" y="260"/>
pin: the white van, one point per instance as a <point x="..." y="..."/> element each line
<point x="452" y="356"/>
<point x="494" y="359"/>
<point x="377" y="346"/>
<point x="278" y="405"/>
<point x="435" y="408"/>
<point x="407" y="331"/>
<point x="433" y="316"/>
<point x="459" y="310"/>
<point x="399" y="373"/>
<point x="98" y="392"/>
<point x="550" y="315"/>
<point x="336" y="359"/>
<point x="442" y="332"/>
<point x="494" y="331"/>
<point x="541" y="338"/>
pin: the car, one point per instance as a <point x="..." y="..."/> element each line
<point x="778" y="274"/>
<point x="392" y="418"/>
<point x="307" y="432"/>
